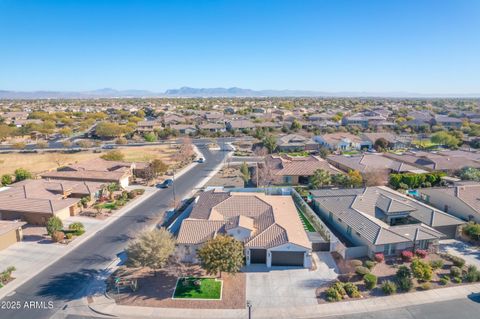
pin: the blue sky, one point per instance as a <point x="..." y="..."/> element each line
<point x="375" y="46"/>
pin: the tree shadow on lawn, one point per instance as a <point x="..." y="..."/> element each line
<point x="68" y="285"/>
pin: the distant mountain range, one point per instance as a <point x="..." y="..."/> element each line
<point x="209" y="92"/>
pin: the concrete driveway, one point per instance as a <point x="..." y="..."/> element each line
<point x="288" y="286"/>
<point x="461" y="249"/>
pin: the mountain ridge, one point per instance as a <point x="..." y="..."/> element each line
<point x="212" y="92"/>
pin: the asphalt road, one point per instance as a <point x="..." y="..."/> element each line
<point x="460" y="309"/>
<point x="468" y="308"/>
<point x="67" y="278"/>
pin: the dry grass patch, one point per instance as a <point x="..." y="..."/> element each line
<point x="41" y="162"/>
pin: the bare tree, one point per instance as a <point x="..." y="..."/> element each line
<point x="376" y="178"/>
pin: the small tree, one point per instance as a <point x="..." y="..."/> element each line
<point x="54" y="224"/>
<point x="221" y="254"/>
<point x="150" y="137"/>
<point x="270" y="143"/>
<point x="113" y="156"/>
<point x="381" y="144"/>
<point x="421" y="270"/>
<point x="22" y="174"/>
<point x="245" y="172"/>
<point x="355" y="178"/>
<point x="6" y="179"/>
<point x="151" y="249"/>
<point x="158" y="167"/>
<point x="320" y="178"/>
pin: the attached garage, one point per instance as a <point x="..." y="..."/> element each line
<point x="287" y="258"/>
<point x="450" y="231"/>
<point x="258" y="256"/>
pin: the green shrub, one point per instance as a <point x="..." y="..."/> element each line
<point x="457" y="280"/>
<point x="54" y="224"/>
<point x="426" y="286"/>
<point x="352" y="290"/>
<point x="472" y="274"/>
<point x="421" y="270"/>
<point x="436" y="264"/>
<point x="76" y="226"/>
<point x="362" y="270"/>
<point x="370" y="264"/>
<point x="333" y="295"/>
<point x="69" y="236"/>
<point x="389" y="287"/>
<point x="405" y="283"/>
<point x="455" y="271"/>
<point x="336" y="292"/>
<point x="472" y="230"/>
<point x="339" y="287"/>
<point x="356" y="263"/>
<point x="404" y="272"/>
<point x="370" y="281"/>
<point x="444" y="280"/>
<point x="457" y="261"/>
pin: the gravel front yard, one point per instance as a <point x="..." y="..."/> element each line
<point x="157" y="291"/>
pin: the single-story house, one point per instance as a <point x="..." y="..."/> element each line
<point x="148" y="126"/>
<point x="368" y="163"/>
<point x="184" y="128"/>
<point x="342" y="141"/>
<point x="294" y="170"/>
<point x="97" y="170"/>
<point x="268" y="226"/>
<point x="296" y="143"/>
<point x="462" y="200"/>
<point x="35" y="201"/>
<point x="447" y="161"/>
<point x="212" y="127"/>
<point x="383" y="220"/>
<point x="394" y="141"/>
<point x="240" y="125"/>
<point x="10" y="232"/>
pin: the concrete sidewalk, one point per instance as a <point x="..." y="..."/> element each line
<point x="105" y="306"/>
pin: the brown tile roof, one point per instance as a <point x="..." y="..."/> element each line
<point x="370" y="163"/>
<point x="284" y="165"/>
<point x="34" y="199"/>
<point x="274" y="219"/>
<point x="7" y="226"/>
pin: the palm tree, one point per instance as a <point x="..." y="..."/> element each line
<point x="320" y="178"/>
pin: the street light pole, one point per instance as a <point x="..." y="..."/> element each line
<point x="249" y="306"/>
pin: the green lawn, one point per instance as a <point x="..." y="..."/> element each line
<point x="109" y="205"/>
<point x="210" y="288"/>
<point x="306" y="223"/>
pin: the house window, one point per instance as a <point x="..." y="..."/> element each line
<point x="445" y="208"/>
<point x="287" y="179"/>
<point x="349" y="231"/>
<point x="330" y="216"/>
<point x="389" y="249"/>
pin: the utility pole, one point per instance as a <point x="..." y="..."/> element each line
<point x="249" y="306"/>
<point x="173" y="189"/>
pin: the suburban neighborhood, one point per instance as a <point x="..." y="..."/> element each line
<point x="240" y="159"/>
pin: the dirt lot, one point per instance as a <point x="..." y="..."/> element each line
<point x="42" y="162"/>
<point x="227" y="177"/>
<point x="157" y="291"/>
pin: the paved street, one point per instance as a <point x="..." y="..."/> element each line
<point x="460" y="308"/>
<point x="67" y="279"/>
